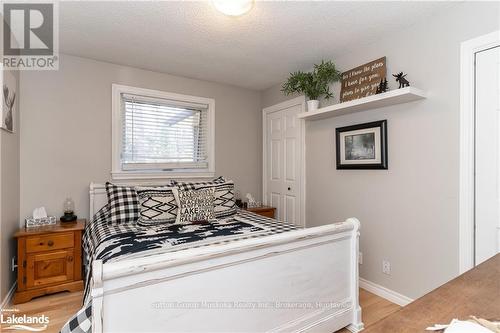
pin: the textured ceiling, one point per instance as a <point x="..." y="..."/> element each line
<point x="254" y="51"/>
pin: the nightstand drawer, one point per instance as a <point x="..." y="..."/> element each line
<point x="49" y="242"/>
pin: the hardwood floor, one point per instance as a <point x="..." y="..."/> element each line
<point x="373" y="308"/>
<point x="59" y="307"/>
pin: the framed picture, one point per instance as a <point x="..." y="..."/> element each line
<point x="362" y="146"/>
<point x="9" y="96"/>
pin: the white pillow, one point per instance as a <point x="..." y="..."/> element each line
<point x="195" y="205"/>
<point x="157" y="205"/>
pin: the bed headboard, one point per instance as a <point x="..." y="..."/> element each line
<point x="98" y="198"/>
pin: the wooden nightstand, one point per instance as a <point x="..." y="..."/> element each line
<point x="49" y="260"/>
<point x="263" y="210"/>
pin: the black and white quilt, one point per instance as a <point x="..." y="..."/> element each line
<point x="113" y="242"/>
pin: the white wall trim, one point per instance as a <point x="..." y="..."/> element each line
<point x="116" y="134"/>
<point x="7" y="300"/>
<point x="301" y="100"/>
<point x="383" y="292"/>
<point x="468" y="50"/>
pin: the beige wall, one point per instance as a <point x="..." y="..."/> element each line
<point x="409" y="213"/>
<point x="9" y="200"/>
<point x="66" y="129"/>
<point x="9" y="193"/>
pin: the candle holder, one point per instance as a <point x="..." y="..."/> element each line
<point x="69" y="211"/>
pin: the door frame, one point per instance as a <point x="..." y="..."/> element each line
<point x="468" y="50"/>
<point x="301" y="100"/>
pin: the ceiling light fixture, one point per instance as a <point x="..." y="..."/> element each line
<point x="233" y="7"/>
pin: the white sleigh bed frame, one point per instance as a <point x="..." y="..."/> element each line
<point x="297" y="281"/>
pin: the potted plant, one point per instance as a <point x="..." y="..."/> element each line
<point x="313" y="84"/>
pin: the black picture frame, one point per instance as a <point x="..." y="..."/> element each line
<point x="382" y="124"/>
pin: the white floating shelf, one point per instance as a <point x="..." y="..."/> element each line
<point x="393" y="97"/>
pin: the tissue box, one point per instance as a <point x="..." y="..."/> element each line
<point x="32" y="222"/>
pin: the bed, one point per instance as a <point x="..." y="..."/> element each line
<point x="272" y="276"/>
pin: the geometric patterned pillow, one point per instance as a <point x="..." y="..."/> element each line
<point x="157" y="205"/>
<point x="194" y="205"/>
<point x="224" y="200"/>
<point x="123" y="204"/>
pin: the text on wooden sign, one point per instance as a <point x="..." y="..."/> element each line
<point x="363" y="80"/>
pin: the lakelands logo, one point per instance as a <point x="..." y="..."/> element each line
<point x="11" y="320"/>
<point x="30" y="35"/>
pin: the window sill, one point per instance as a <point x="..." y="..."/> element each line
<point x="127" y="175"/>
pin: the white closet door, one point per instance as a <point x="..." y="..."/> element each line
<point x="275" y="161"/>
<point x="487" y="114"/>
<point x="291" y="168"/>
<point x="284" y="162"/>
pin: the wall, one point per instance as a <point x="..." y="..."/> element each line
<point x="409" y="213"/>
<point x="9" y="208"/>
<point x="9" y="193"/>
<point x="66" y="129"/>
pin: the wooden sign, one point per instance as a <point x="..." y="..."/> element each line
<point x="362" y="81"/>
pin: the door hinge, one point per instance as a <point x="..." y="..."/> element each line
<point x="24" y="263"/>
<point x="24" y="279"/>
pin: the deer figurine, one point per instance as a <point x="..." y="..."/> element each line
<point x="400" y="77"/>
<point x="9" y="103"/>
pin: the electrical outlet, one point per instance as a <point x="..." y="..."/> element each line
<point x="13" y="265"/>
<point x="360" y="258"/>
<point x="386" y="267"/>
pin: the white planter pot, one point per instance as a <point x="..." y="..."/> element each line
<point x="312" y="105"/>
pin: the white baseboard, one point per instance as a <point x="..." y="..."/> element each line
<point x="8" y="297"/>
<point x="383" y="292"/>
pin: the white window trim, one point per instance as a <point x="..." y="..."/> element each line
<point x="117" y="173"/>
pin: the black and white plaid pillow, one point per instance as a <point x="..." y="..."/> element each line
<point x="123" y="204"/>
<point x="195" y="205"/>
<point x="195" y="185"/>
<point x="157" y="205"/>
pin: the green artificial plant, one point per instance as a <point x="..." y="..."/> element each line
<point x="313" y="84"/>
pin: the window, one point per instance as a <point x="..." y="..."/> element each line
<point x="158" y="134"/>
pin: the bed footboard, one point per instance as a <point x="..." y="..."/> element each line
<point x="303" y="280"/>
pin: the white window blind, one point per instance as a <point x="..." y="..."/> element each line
<point x="161" y="134"/>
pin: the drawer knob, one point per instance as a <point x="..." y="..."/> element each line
<point x="50" y="243"/>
